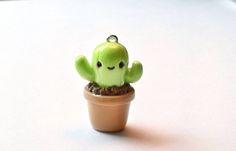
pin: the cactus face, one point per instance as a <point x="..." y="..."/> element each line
<point x="110" y="61"/>
<point x="109" y="65"/>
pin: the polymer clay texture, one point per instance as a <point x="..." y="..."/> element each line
<point x="109" y="65"/>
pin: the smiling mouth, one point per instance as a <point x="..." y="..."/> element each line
<point x="111" y="68"/>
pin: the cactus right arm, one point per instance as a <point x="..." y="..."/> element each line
<point x="84" y="68"/>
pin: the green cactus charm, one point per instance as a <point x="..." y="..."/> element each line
<point x="109" y="65"/>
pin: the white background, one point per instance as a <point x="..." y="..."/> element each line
<point x="185" y="100"/>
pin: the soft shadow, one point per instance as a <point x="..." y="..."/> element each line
<point x="145" y="136"/>
<point x="131" y="134"/>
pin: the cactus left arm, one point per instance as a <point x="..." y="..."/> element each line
<point x="84" y="68"/>
<point x="134" y="73"/>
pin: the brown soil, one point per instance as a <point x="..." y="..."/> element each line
<point x="109" y="91"/>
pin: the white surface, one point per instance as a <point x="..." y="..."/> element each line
<point x="185" y="100"/>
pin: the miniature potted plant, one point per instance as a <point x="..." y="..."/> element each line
<point x="109" y="92"/>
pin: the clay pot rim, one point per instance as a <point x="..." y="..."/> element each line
<point x="109" y="100"/>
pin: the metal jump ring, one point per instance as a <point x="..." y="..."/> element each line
<point x="112" y="38"/>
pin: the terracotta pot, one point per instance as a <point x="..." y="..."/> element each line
<point x="108" y="113"/>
